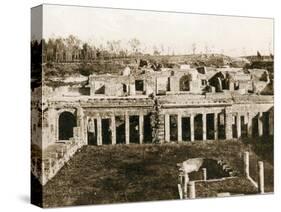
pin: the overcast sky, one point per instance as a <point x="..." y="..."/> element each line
<point x="234" y="36"/>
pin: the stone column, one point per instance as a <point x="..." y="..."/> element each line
<point x="167" y="127"/>
<point x="192" y="127"/>
<point x="204" y="170"/>
<point x="141" y="128"/>
<point x="92" y="127"/>
<point x="238" y="125"/>
<point x="260" y="121"/>
<point x="249" y="126"/>
<point x="246" y="164"/>
<point x="186" y="180"/>
<point x="161" y="129"/>
<point x="179" y="127"/>
<point x="113" y="129"/>
<point x="261" y="177"/>
<point x="228" y="124"/>
<point x="216" y="126"/>
<point x="99" y="129"/>
<point x="204" y="121"/>
<point x="127" y="128"/>
<point x="192" y="191"/>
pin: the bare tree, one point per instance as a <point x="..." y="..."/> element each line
<point x="194" y="47"/>
<point x="73" y="46"/>
<point x="156" y="51"/>
<point x="135" y="45"/>
<point x="207" y="50"/>
<point x="114" y="46"/>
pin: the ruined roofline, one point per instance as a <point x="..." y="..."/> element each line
<point x="195" y="105"/>
<point x="185" y="96"/>
<point x="165" y="101"/>
<point x="101" y="98"/>
<point x="214" y="104"/>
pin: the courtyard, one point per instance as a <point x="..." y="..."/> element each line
<point x="148" y="172"/>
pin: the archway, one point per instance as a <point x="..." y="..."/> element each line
<point x="185" y="83"/>
<point x="67" y="122"/>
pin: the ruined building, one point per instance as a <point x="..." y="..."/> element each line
<point x="147" y="106"/>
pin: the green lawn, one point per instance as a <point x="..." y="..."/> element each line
<point x="131" y="173"/>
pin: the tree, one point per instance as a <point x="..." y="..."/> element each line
<point x="50" y="50"/>
<point x="86" y="49"/>
<point x="123" y="53"/>
<point x="162" y="49"/>
<point x="194" y="47"/>
<point x="59" y="48"/>
<point x="73" y="41"/>
<point x="135" y="44"/>
<point x="156" y="51"/>
<point x="207" y="50"/>
<point x="114" y="46"/>
<point x="73" y="45"/>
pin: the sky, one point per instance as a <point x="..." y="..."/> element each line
<point x="169" y="32"/>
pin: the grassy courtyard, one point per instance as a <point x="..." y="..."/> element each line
<point x="132" y="173"/>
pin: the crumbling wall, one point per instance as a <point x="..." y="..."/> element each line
<point x="259" y="86"/>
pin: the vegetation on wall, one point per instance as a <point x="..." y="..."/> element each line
<point x="155" y="120"/>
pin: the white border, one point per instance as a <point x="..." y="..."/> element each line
<point x="15" y="101"/>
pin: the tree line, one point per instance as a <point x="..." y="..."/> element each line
<point x="72" y="49"/>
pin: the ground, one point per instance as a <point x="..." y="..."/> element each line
<point x="132" y="173"/>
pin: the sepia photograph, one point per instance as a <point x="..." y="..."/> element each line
<point x="135" y="105"/>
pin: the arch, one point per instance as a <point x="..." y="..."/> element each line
<point x="185" y="83"/>
<point x="67" y="121"/>
<point x="217" y="82"/>
<point x="219" y="85"/>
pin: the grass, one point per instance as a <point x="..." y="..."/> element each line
<point x="132" y="173"/>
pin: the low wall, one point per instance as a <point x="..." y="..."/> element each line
<point x="44" y="169"/>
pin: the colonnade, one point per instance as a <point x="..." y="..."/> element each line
<point x="231" y="121"/>
<point x="113" y="128"/>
